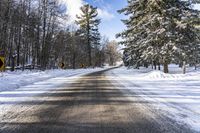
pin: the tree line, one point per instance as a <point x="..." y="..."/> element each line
<point x="33" y="35"/>
<point x="160" y="32"/>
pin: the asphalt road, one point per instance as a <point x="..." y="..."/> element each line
<point x="91" y="104"/>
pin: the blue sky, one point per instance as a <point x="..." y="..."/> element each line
<point x="111" y="23"/>
<point x="107" y="9"/>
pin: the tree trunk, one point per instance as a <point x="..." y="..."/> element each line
<point x="18" y="55"/>
<point x="154" y="63"/>
<point x="195" y="65"/>
<point x="89" y="47"/>
<point x="74" y="61"/>
<point x="13" y="64"/>
<point x="100" y="59"/>
<point x="43" y="53"/>
<point x="166" y="70"/>
<point x="184" y="67"/>
<point x="159" y="66"/>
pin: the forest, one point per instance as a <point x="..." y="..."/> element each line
<point x="34" y="35"/>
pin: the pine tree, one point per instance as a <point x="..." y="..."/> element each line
<point x="159" y="31"/>
<point x="89" y="22"/>
<point x="135" y="31"/>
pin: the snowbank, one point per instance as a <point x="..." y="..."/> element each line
<point x="14" y="80"/>
<point x="158" y="75"/>
<point x="176" y="95"/>
<point x="149" y="74"/>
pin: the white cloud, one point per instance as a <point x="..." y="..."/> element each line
<point x="104" y="14"/>
<point x="73" y="9"/>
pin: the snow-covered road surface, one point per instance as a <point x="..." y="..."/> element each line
<point x="93" y="103"/>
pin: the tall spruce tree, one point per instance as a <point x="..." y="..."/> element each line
<point x="160" y="31"/>
<point x="88" y="23"/>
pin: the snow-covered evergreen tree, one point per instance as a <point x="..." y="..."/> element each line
<point x="134" y="32"/>
<point x="89" y="22"/>
<point x="160" y="31"/>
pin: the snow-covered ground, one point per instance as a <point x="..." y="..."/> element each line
<point x="176" y="95"/>
<point x="14" y="80"/>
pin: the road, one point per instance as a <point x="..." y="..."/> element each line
<point x="90" y="104"/>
